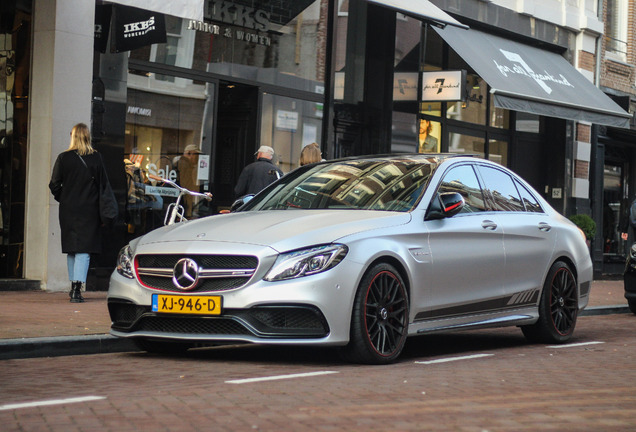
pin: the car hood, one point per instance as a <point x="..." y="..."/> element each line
<point x="281" y="230"/>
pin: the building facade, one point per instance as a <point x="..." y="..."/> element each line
<point x="522" y="83"/>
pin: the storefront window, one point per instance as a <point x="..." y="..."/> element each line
<point x="283" y="46"/>
<point x="169" y="136"/>
<point x="287" y="125"/>
<point x="499" y="117"/>
<point x="429" y="136"/>
<point x="498" y="151"/>
<point x="526" y="122"/>
<point x="468" y="144"/>
<point x="473" y="109"/>
<point x="15" y="48"/>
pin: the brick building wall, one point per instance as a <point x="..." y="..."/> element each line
<point x="615" y="74"/>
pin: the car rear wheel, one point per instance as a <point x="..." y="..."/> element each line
<point x="558" y="307"/>
<point x="379" y="321"/>
<point x="161" y="347"/>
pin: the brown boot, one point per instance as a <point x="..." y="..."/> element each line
<point x="76" y="293"/>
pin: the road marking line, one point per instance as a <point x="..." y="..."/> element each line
<point x="50" y="402"/>
<point x="575" y="344"/>
<point x="450" y="359"/>
<point x="279" y="377"/>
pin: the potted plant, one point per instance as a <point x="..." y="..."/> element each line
<point x="586" y="224"/>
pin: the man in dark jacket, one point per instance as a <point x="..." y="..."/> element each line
<point x="259" y="174"/>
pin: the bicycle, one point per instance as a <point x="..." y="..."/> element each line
<point x="175" y="211"/>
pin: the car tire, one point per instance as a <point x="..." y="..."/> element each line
<point x="558" y="307"/>
<point x="161" y="347"/>
<point x="379" y="321"/>
<point x="632" y="305"/>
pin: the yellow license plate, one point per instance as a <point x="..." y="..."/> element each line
<point x="203" y="305"/>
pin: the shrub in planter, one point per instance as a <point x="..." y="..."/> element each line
<point x="586" y="223"/>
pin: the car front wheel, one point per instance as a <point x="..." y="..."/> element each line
<point x="558" y="307"/>
<point x="379" y="322"/>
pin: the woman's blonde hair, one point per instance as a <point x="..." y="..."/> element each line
<point x="81" y="139"/>
<point x="310" y="154"/>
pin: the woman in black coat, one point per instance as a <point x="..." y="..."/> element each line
<point x="77" y="174"/>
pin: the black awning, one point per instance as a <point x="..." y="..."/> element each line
<point x="529" y="79"/>
<point x="421" y="9"/>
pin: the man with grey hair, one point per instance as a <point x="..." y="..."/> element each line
<point x="259" y="174"/>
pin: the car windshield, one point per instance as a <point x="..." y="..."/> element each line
<point x="368" y="184"/>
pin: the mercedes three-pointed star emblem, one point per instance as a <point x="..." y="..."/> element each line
<point x="185" y="274"/>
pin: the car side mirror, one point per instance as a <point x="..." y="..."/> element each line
<point x="236" y="205"/>
<point x="445" y="205"/>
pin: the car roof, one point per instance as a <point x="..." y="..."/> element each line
<point x="434" y="158"/>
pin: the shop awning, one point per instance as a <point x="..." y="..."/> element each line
<point x="188" y="9"/>
<point x="421" y="9"/>
<point x="529" y="79"/>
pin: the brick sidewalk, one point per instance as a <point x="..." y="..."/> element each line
<point x="27" y="314"/>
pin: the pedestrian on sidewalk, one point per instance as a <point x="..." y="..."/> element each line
<point x="310" y="154"/>
<point x="78" y="175"/>
<point x="259" y="174"/>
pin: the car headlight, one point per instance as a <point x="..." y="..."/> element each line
<point x="306" y="262"/>
<point x="125" y="262"/>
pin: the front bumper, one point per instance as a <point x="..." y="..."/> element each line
<point x="269" y="322"/>
<point x="314" y="310"/>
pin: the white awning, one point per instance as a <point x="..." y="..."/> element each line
<point x="188" y="9"/>
<point x="421" y="9"/>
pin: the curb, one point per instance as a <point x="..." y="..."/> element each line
<point x="605" y="310"/>
<point x="63" y="346"/>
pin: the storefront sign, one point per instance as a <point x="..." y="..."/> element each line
<point x="102" y="26"/>
<point x="519" y="66"/>
<point x="239" y="15"/>
<point x="166" y="172"/>
<point x="443" y="85"/>
<point x="203" y="172"/>
<point x="146" y="112"/>
<point x="287" y="120"/>
<point x="405" y="86"/>
<point x="135" y="28"/>
<point x="228" y="32"/>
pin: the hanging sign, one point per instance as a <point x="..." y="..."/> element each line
<point x="135" y="28"/>
<point x="440" y="86"/>
<point x="405" y="86"/>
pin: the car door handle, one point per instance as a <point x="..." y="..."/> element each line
<point x="489" y="225"/>
<point x="544" y="226"/>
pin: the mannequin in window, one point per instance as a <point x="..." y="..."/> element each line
<point x="427" y="142"/>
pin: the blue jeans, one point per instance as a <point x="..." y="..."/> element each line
<point x="78" y="266"/>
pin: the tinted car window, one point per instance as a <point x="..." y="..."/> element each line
<point x="394" y="185"/>
<point x="462" y="179"/>
<point x="505" y="196"/>
<point x="532" y="205"/>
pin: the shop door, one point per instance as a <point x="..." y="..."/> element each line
<point x="236" y="139"/>
<point x="615" y="215"/>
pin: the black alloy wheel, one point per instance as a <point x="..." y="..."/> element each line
<point x="558" y="307"/>
<point x="380" y="316"/>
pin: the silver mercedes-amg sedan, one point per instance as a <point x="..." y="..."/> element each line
<point x="359" y="253"/>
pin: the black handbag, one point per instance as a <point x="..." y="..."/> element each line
<point x="108" y="208"/>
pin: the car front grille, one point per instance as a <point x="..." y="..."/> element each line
<point x="216" y="326"/>
<point x="216" y="272"/>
